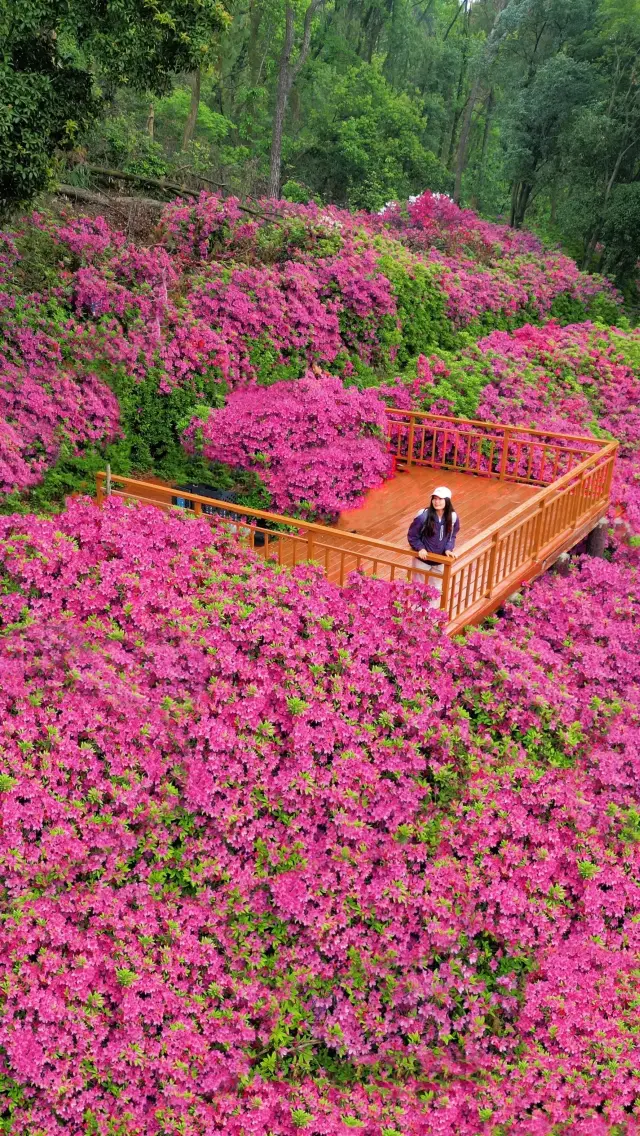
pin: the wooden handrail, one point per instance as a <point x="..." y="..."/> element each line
<point x="261" y="514"/>
<point x="295" y="522"/>
<point x="391" y="411"/>
<point x="526" y="506"/>
<point x="502" y="555"/>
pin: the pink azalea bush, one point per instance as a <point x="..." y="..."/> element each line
<point x="278" y="856"/>
<point x="579" y="379"/>
<point x="228" y="295"/>
<point x="45" y="405"/>
<point x="317" y="445"/>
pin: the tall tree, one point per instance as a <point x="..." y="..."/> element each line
<point x="192" y="117"/>
<point x="50" y="52"/>
<point x="287" y="75"/>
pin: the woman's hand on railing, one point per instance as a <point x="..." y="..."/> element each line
<point x="450" y="554"/>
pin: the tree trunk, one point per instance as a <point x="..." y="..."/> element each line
<point x="554" y="204"/>
<point x="520" y="196"/>
<point x="598" y="539"/>
<point x="280" y="108"/>
<point x="591" y="247"/>
<point x="449" y="139"/>
<point x="287" y="76"/>
<point x="477" y="197"/>
<point x="151" y="118"/>
<point x="253" y="50"/>
<point x="463" y="142"/>
<point x="190" y="124"/>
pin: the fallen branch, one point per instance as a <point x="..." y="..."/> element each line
<point x="77" y="193"/>
<point x="91" y="197"/>
<point x="167" y="186"/>
<point x="200" y="177"/>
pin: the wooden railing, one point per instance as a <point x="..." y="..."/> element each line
<point x="282" y="540"/>
<point x="531" y="536"/>
<point x="485" y="449"/>
<point x="516" y="548"/>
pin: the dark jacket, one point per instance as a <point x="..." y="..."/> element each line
<point x="440" y="542"/>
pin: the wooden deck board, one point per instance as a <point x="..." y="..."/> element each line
<point x="388" y="511"/>
<point x="478" y="501"/>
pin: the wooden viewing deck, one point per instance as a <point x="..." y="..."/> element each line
<point x="523" y="497"/>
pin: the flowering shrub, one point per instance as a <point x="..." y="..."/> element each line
<point x="276" y="856"/>
<point x="264" y="872"/>
<point x="232" y="295"/>
<point x="45" y="406"/>
<point x="317" y="445"/>
<point x="572" y="379"/>
<point x="576" y="379"/>
<point x="444" y="224"/>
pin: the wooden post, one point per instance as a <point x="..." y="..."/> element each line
<point x="412" y="429"/>
<point x="537" y="538"/>
<point x="310" y="544"/>
<point x="446" y="586"/>
<point x="597" y="539"/>
<point x="493" y="560"/>
<point x="99" y="492"/>
<point x="505" y="451"/>
<point x="563" y="564"/>
<point x="609" y="476"/>
<point x="108" y="479"/>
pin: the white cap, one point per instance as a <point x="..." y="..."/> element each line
<point x="443" y="492"/>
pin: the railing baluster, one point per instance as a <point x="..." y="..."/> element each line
<point x="446" y="586"/>
<point x="506" y="438"/>
<point x="412" y="427"/>
<point x="493" y="564"/>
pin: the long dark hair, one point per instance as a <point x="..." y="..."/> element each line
<point x="431" y="519"/>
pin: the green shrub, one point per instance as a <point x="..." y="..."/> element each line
<point x="421" y="305"/>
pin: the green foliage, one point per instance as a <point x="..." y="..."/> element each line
<point x="621" y="237"/>
<point x="11" y="1097"/>
<point x="173" y="110"/>
<point x="45" y="99"/>
<point x="421" y="305"/>
<point x="369" y="145"/>
<point x="40" y="259"/>
<point x="51" y="52"/>
<point x="298" y="193"/>
<point x="118" y="143"/>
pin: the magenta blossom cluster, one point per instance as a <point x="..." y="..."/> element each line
<point x="44" y="404"/>
<point x="230" y="295"/>
<point x="575" y="379"/>
<point x="279" y="856"/>
<point x="317" y="445"/>
<point x="475" y="291"/>
<point x="442" y="223"/>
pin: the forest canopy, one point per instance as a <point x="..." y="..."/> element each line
<point x="526" y="110"/>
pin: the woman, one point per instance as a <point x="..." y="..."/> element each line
<point x="434" y="531"/>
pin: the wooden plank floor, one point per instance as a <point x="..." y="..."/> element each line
<point x="387" y="513"/>
<point x="478" y="501"/>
